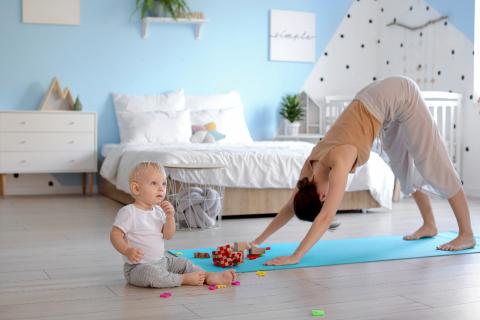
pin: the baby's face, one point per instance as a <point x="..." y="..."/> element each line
<point x="152" y="186"/>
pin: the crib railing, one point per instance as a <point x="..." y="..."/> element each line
<point x="444" y="108"/>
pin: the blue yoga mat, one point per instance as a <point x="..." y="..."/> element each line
<point x="344" y="251"/>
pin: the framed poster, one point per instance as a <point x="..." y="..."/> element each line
<point x="292" y="36"/>
<point x="51" y="11"/>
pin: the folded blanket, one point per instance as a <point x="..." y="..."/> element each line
<point x="199" y="207"/>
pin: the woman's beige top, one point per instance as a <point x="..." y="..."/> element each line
<point x="356" y="126"/>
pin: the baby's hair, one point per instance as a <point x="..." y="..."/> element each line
<point x="306" y="202"/>
<point x="143" y="167"/>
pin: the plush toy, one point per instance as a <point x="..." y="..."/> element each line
<point x="206" y="134"/>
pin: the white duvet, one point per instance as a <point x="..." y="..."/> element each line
<point x="262" y="164"/>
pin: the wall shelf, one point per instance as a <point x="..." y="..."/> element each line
<point x="197" y="23"/>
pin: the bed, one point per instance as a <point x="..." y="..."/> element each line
<point x="258" y="176"/>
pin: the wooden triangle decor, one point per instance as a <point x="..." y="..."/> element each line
<point x="56" y="98"/>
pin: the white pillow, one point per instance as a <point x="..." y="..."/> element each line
<point x="214" y="101"/>
<point x="154" y="127"/>
<point x="166" y="102"/>
<point x="230" y="122"/>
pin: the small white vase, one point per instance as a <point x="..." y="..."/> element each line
<point x="292" y="128"/>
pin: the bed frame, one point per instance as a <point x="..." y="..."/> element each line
<point x="444" y="107"/>
<point x="244" y="201"/>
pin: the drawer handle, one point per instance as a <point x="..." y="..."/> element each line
<point x="71" y="161"/>
<point x="23" y="122"/>
<point x="71" y="123"/>
<point x="23" y="161"/>
<point x="71" y="141"/>
<point x="23" y="142"/>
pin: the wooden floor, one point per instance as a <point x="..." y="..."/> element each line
<point x="56" y="262"/>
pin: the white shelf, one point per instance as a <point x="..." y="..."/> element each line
<point x="197" y="23"/>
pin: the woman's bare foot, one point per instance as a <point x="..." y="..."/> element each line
<point x="225" y="277"/>
<point x="425" y="231"/>
<point x="461" y="242"/>
<point x="196" y="278"/>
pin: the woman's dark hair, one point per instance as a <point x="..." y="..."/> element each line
<point x="306" y="202"/>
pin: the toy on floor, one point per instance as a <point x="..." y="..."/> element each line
<point x="225" y="256"/>
<point x="253" y="252"/>
<point x="318" y="313"/>
<point x="257" y="251"/>
<point x="201" y="255"/>
<point x="166" y="295"/>
<point x="261" y="273"/>
<point x="241" y="246"/>
<point x="222" y="286"/>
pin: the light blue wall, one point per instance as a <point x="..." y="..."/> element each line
<point x="106" y="53"/>
<point x="461" y="13"/>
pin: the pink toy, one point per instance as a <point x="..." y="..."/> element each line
<point x="212" y="287"/>
<point x="166" y="295"/>
<point x="235" y="283"/>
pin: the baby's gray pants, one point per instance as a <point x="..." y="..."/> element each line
<point x="164" y="273"/>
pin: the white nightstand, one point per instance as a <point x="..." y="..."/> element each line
<point x="48" y="142"/>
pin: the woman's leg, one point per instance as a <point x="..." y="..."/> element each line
<point x="465" y="238"/>
<point x="425" y="145"/>
<point x="402" y="165"/>
<point x="428" y="229"/>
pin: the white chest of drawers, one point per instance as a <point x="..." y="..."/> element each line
<point x="48" y="142"/>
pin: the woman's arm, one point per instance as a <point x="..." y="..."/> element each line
<point x="286" y="213"/>
<point x="337" y="181"/>
<point x="283" y="216"/>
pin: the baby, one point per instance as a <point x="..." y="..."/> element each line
<point x="140" y="229"/>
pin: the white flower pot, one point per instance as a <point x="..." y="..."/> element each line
<point x="292" y="129"/>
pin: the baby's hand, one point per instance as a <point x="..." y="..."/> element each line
<point x="134" y="254"/>
<point x="167" y="208"/>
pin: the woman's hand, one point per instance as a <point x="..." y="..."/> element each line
<point x="282" y="260"/>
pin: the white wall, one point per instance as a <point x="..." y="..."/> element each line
<point x="438" y="57"/>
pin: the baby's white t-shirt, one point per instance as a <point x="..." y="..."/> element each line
<point x="143" y="229"/>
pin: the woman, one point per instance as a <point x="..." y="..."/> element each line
<point x="394" y="109"/>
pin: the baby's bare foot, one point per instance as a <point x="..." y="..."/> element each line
<point x="225" y="277"/>
<point x="196" y="278"/>
<point x="461" y="242"/>
<point x="425" y="231"/>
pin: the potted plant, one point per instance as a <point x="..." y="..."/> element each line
<point x="292" y="111"/>
<point x="162" y="8"/>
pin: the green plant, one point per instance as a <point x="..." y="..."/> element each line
<point x="175" y="8"/>
<point x="77" y="106"/>
<point x="291" y="108"/>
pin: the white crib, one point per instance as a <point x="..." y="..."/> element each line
<point x="444" y="107"/>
